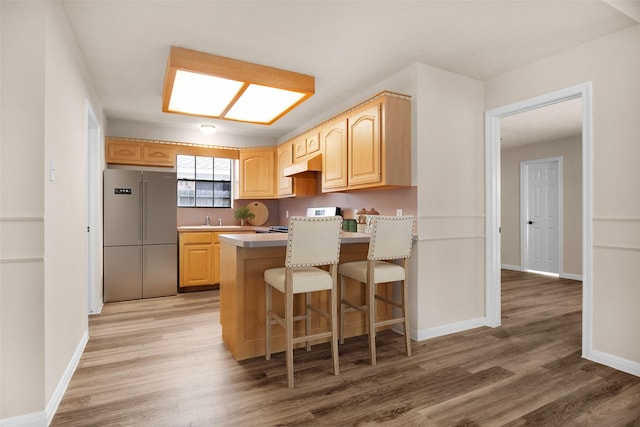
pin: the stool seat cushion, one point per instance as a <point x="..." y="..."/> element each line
<point x="305" y="279"/>
<point x="384" y="271"/>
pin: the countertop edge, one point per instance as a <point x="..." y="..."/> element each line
<point x="280" y="239"/>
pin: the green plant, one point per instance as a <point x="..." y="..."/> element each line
<point x="243" y="212"/>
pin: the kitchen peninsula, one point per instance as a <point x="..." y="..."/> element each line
<point x="243" y="260"/>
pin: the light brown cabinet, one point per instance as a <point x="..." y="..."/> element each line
<point x="306" y="145"/>
<point x="129" y="152"/>
<point x="285" y="159"/>
<point x="369" y="146"/>
<point x="200" y="257"/>
<point x="196" y="258"/>
<point x="159" y="155"/>
<point x="334" y="157"/>
<point x="257" y="173"/>
<point x="300" y="185"/>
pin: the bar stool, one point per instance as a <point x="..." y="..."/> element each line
<point x="391" y="239"/>
<point x="312" y="242"/>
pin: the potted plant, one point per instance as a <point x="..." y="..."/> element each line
<point x="242" y="213"/>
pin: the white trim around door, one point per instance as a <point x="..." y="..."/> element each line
<point x="493" y="220"/>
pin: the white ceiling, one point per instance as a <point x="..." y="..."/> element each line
<point x="347" y="45"/>
<point x="549" y="123"/>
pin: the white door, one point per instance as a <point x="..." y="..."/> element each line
<point x="541" y="215"/>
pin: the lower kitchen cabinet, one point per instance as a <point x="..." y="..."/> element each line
<point x="200" y="257"/>
<point x="196" y="259"/>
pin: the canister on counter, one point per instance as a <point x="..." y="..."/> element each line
<point x="350" y="225"/>
<point x="371" y="213"/>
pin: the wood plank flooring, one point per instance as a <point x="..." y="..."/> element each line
<point x="161" y="362"/>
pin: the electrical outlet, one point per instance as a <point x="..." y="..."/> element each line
<point x="286" y="214"/>
<point x="398" y="212"/>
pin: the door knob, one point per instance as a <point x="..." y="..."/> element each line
<point x="530" y="222"/>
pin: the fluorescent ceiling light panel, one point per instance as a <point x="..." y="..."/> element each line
<point x="262" y="104"/>
<point x="202" y="95"/>
<point x="201" y="84"/>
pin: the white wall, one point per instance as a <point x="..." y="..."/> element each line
<point x="22" y="209"/>
<point x="43" y="237"/>
<point x="66" y="90"/>
<point x="450" y="177"/>
<point x="612" y="64"/>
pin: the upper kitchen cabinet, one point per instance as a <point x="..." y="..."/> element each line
<point x="369" y="146"/>
<point x="298" y="185"/>
<point x="284" y="154"/>
<point x="257" y="173"/>
<point x="334" y="157"/>
<point x="306" y="145"/>
<point x="131" y="152"/>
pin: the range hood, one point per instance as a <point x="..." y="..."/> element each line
<point x="313" y="164"/>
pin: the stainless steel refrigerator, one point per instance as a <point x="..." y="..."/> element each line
<point x="140" y="236"/>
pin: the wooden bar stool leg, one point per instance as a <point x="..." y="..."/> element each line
<point x="289" y="336"/>
<point x="267" y="335"/>
<point x="342" y="311"/>
<point x="405" y="314"/>
<point x="307" y="313"/>
<point x="334" y="331"/>
<point x="371" y="322"/>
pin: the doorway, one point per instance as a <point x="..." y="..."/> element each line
<point x="493" y="202"/>
<point x="94" y="197"/>
<point x="541" y="215"/>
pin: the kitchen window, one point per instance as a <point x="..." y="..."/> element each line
<point x="203" y="181"/>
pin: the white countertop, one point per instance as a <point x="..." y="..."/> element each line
<point x="220" y="228"/>
<point x="265" y="240"/>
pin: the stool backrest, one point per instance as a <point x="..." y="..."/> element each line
<point x="391" y="237"/>
<point x="313" y="241"/>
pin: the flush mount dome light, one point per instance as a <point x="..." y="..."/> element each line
<point x="207" y="129"/>
<point x="206" y="85"/>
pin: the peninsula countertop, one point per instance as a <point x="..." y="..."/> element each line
<point x="266" y="240"/>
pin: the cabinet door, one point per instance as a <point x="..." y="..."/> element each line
<point x="159" y="155"/>
<point x="196" y="267"/>
<point x="334" y="160"/>
<point x="285" y="159"/>
<point x="365" y="150"/>
<point x="257" y="174"/>
<point x="299" y="148"/>
<point x="313" y="142"/>
<point x="124" y="152"/>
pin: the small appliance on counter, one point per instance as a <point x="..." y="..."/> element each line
<point x="311" y="212"/>
<point x="324" y="211"/>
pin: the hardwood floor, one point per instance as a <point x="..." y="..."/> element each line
<point x="161" y="362"/>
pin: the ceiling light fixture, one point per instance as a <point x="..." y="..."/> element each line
<point x="207" y="129"/>
<point x="201" y="84"/>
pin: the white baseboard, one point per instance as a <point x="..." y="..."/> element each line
<point x="66" y="378"/>
<point x="35" y="419"/>
<point x="571" y="276"/>
<point x="43" y="418"/>
<point x="451" y="328"/>
<point x="511" y="267"/>
<point x="615" y="362"/>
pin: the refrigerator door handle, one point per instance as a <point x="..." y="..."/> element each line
<point x="144" y="210"/>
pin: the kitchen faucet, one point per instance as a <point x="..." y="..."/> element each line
<point x="208" y="220"/>
<point x="220" y="222"/>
